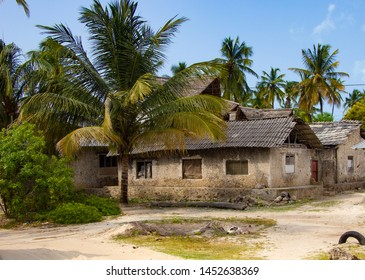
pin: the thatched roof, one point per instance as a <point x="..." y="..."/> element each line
<point x="334" y="133"/>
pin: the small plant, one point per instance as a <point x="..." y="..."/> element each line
<point x="106" y="206"/>
<point x="75" y="213"/>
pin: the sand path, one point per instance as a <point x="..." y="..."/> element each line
<point x="299" y="233"/>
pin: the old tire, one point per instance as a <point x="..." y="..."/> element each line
<point x="358" y="236"/>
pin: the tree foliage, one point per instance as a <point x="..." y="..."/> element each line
<point x="320" y="80"/>
<point x="353" y="97"/>
<point x="114" y="96"/>
<point x="11" y="83"/>
<point x="30" y="181"/>
<point x="323" y="117"/>
<point x="357" y="112"/>
<point x="271" y="86"/>
<point x="237" y="61"/>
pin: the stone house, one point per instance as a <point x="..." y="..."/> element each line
<point x="343" y="166"/>
<point x="265" y="153"/>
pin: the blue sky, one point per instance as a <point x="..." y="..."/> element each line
<point x="276" y="30"/>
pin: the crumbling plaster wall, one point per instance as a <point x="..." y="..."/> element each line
<point x="343" y="152"/>
<point x="88" y="174"/>
<point x="168" y="182"/>
<point x="301" y="176"/>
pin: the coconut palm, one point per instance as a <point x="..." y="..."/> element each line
<point x="236" y="58"/>
<point x="258" y="101"/>
<point x="11" y="84"/>
<point x="271" y="86"/>
<point x="354" y="97"/>
<point x="291" y="94"/>
<point x="178" y="68"/>
<point x="134" y="109"/>
<point x="320" y="80"/>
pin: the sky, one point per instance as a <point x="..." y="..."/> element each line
<point x="277" y="30"/>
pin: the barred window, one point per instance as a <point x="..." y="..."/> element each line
<point x="192" y="168"/>
<point x="237" y="167"/>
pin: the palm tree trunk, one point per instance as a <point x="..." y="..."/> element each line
<point x="123" y="162"/>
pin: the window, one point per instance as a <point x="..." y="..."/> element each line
<point x="289" y="163"/>
<point x="105" y="161"/>
<point x="144" y="169"/>
<point x="237" y="167"/>
<point x="350" y="164"/>
<point x="192" y="168"/>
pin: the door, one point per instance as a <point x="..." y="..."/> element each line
<point x="314" y="170"/>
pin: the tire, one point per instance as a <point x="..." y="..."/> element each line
<point x="358" y="236"/>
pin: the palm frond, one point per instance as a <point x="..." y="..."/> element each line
<point x="85" y="136"/>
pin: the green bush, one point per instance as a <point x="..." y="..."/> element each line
<point x="75" y="213"/>
<point x="30" y="180"/>
<point x="106" y="206"/>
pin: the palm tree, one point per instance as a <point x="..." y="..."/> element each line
<point x="178" y="68"/>
<point x="11" y="84"/>
<point x="335" y="97"/>
<point x="133" y="108"/>
<point x="271" y="86"/>
<point x="291" y="94"/>
<point x="354" y="97"/>
<point x="46" y="78"/>
<point x="319" y="77"/>
<point x="24" y="4"/>
<point x="257" y="101"/>
<point x="237" y="62"/>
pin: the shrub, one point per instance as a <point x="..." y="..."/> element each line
<point x="75" y="213"/>
<point x="106" y="206"/>
<point x="30" y="181"/>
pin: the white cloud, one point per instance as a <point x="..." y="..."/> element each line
<point x="359" y="70"/>
<point x="327" y="23"/>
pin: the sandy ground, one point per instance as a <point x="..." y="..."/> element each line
<point x="298" y="234"/>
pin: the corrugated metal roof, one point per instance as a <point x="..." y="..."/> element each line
<point x="334" y="133"/>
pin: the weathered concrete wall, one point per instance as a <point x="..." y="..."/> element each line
<point x="266" y="169"/>
<point x="343" y="152"/>
<point x="88" y="174"/>
<point x="301" y="176"/>
<point x="328" y="166"/>
<point x="167" y="182"/>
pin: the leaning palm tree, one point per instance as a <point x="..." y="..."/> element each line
<point x="319" y="77"/>
<point x="236" y="59"/>
<point x="11" y="83"/>
<point x="123" y="103"/>
<point x="24" y="4"/>
<point x="271" y="86"/>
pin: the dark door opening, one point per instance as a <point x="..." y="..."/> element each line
<point x="314" y="170"/>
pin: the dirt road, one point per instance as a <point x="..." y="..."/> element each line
<point x="299" y="233"/>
